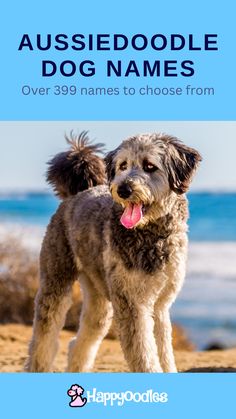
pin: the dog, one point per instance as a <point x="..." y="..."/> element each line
<point x="75" y="393"/>
<point x="122" y="230"/>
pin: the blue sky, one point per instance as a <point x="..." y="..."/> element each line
<point x="27" y="146"/>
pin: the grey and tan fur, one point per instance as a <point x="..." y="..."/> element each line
<point x="133" y="273"/>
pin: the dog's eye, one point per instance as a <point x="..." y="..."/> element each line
<point x="123" y="165"/>
<point x="149" y="167"/>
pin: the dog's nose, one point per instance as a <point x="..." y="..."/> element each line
<point x="124" y="190"/>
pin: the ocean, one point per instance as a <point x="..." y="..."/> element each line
<point x="206" y="306"/>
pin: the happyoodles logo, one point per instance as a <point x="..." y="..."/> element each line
<point x="113" y="398"/>
<point x="75" y="392"/>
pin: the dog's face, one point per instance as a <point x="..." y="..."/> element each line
<point x="145" y="170"/>
<point x="75" y="390"/>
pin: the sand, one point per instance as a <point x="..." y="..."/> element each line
<point x="14" y="340"/>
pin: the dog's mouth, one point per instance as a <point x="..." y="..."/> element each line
<point x="132" y="214"/>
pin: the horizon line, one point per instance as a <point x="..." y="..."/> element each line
<point x="47" y="191"/>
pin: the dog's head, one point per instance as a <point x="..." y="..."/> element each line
<point x="147" y="169"/>
<point x="75" y="390"/>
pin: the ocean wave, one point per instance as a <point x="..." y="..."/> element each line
<point x="212" y="259"/>
<point x="30" y="236"/>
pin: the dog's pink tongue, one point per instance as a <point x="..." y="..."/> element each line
<point x="131" y="215"/>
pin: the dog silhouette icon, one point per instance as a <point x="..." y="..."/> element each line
<point x="75" y="393"/>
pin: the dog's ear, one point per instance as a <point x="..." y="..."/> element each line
<point x="110" y="164"/>
<point x="79" y="390"/>
<point x="182" y="161"/>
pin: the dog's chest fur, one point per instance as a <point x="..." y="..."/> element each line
<point x="147" y="249"/>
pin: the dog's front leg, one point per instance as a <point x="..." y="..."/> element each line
<point x="163" y="334"/>
<point x="163" y="331"/>
<point x="135" y="326"/>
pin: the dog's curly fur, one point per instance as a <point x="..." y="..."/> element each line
<point x="77" y="169"/>
<point x="125" y="241"/>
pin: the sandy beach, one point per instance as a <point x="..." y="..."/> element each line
<point x="14" y="342"/>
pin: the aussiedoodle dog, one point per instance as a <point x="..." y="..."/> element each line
<point x="121" y="230"/>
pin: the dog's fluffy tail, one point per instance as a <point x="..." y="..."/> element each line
<point x="77" y="169"/>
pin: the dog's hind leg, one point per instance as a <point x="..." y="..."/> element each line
<point x="57" y="274"/>
<point x="95" y="320"/>
<point x="49" y="319"/>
